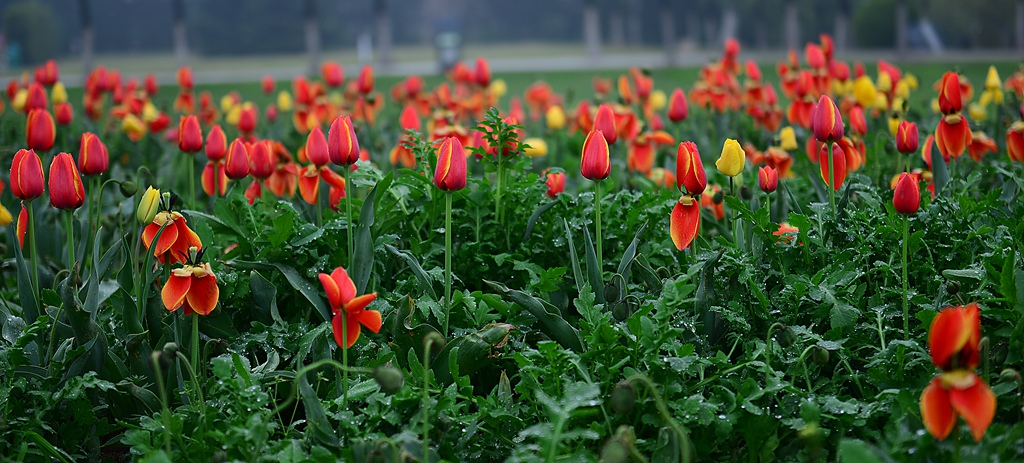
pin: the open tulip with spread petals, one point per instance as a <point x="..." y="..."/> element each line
<point x="349" y="310"/>
<point x="192" y="287"/>
<point x="176" y="239"/>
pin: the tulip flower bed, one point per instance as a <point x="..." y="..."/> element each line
<point x="723" y="269"/>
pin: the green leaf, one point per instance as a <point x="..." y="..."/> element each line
<point x="856" y="451"/>
<point x="593" y="269"/>
<point x="316" y="417"/>
<point x="425" y="281"/>
<point x="474" y="351"/>
<point x="551" y="324"/>
<point x="362" y="261"/>
<point x="626" y="264"/>
<point x="1007" y="282"/>
<point x="573" y="257"/>
<point x="940" y="172"/>
<point x="26" y="294"/>
<point x="536" y="216"/>
<point x="264" y="297"/>
<point x="296" y="281"/>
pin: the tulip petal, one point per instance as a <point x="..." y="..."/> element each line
<point x="203" y="294"/>
<point x="350" y="327"/>
<point x="360" y="303"/>
<point x="331" y="288"/>
<point x="685" y="223"/>
<point x="167" y="238"/>
<point x="977" y="404"/>
<point x="346" y="288"/>
<point x="175" y="291"/>
<point x="332" y="178"/>
<point x="948" y="334"/>
<point x="309" y="185"/>
<point x="371" y="319"/>
<point x="936" y="412"/>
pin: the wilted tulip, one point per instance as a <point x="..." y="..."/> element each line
<point x="685" y="221"/>
<point x="193" y="286"/>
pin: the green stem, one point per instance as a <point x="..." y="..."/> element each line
<point x="768" y="353"/>
<point x="768" y="204"/>
<point x="807" y="375"/>
<point x="69" y="224"/>
<point x="831" y="180"/>
<point x="426" y="396"/>
<point x="348" y="218"/>
<point x="195" y="343"/>
<point x="165" y="411"/>
<point x="497" y="196"/>
<point x="192" y="180"/>
<point x="35" y="255"/>
<point x="447" y="260"/>
<point x="906" y="308"/>
<point x="200" y="404"/>
<point x="553" y="449"/>
<point x="597" y="220"/>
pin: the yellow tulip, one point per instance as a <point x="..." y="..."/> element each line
<point x="787" y="139"/>
<point x="149" y="112"/>
<point x="864" y="91"/>
<point x="894" y="123"/>
<point x="18" y="103"/>
<point x="148" y="206"/>
<point x="5" y="216"/>
<point x="902" y="89"/>
<point x="59" y="94"/>
<point x="992" y="81"/>
<point x="227" y="102"/>
<point x="732" y="160"/>
<point x="555" y="118"/>
<point x="911" y="80"/>
<point x="658" y="100"/>
<point x="884" y="82"/>
<point x="977" y="112"/>
<point x="233" y="114"/>
<point x="935" y="105"/>
<point x="284" y="101"/>
<point x="538" y="147"/>
<point x="498" y="88"/>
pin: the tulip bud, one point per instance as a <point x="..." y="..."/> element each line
<point x="389" y="379"/>
<point x="950" y="98"/>
<point x="316" y="148"/>
<point x="267" y="85"/>
<point x="614" y="451"/>
<point x="27" y="175"/>
<point x="284" y="100"/>
<point x="555" y="118"/>
<point x="786" y="337"/>
<point x="261" y="163"/>
<point x="216" y="144"/>
<point x="732" y="160"/>
<point x="92" y="155"/>
<point x="906" y="198"/>
<point x="746" y="193"/>
<point x="237" y="161"/>
<point x="342" y="144"/>
<point x="332" y="74"/>
<point x="605" y="122"/>
<point x="483" y="72"/>
<point x="906" y="137"/>
<point x="66" y="189"/>
<point x="450" y="174"/>
<point x="128" y="188"/>
<point x="767" y="179"/>
<point x="819" y="355"/>
<point x="364" y="83"/>
<point x="65" y="114"/>
<point x="190" y="135"/>
<point x="826" y="122"/>
<point x="678" y="110"/>
<point x="36" y="98"/>
<point x="838" y="165"/>
<point x="208" y="179"/>
<point x="952" y="287"/>
<point x="623" y="398"/>
<point x="556" y="183"/>
<point x="434" y="341"/>
<point x="149" y="205"/>
<point x="595" y="163"/>
<point x="1015" y="141"/>
<point x="858" y="123"/>
<point x="40" y="131"/>
<point x="690" y="172"/>
<point x="59" y="94"/>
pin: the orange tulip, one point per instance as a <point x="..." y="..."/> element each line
<point x="193" y="286"/>
<point x="785" y="233"/>
<point x="27" y="175"/>
<point x="838" y="164"/>
<point x="40" y="132"/>
<point x="190" y="135"/>
<point x="605" y="122"/>
<point x="450" y="174"/>
<point x="208" y="178"/>
<point x="92" y="156"/>
<point x="184" y="78"/>
<point x="342" y="144"/>
<point x="332" y="74"/>
<point x="176" y="239"/>
<point x="685" y="221"/>
<point x="981" y="145"/>
<point x="595" y="163"/>
<point x="334" y="197"/>
<point x="65" y="184"/>
<point x="690" y="173"/>
<point x="953" y="341"/>
<point x="906" y="199"/>
<point x="555" y="182"/>
<point x="349" y="310"/>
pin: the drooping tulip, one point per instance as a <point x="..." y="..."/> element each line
<point x="950" y="98"/>
<point x="27" y="181"/>
<point x="65" y="184"/>
<point x="732" y="159"/>
<point x="906" y="198"/>
<point x="192" y="286"/>
<point x="690" y="173"/>
<point x="342" y="143"/>
<point x="40" y="131"/>
<point x="595" y="163"/>
<point x="92" y="156"/>
<point x="952" y="135"/>
<point x="349" y="310"/>
<point x="450" y="174"/>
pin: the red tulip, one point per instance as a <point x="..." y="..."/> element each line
<point x="826" y="122"/>
<point x="690" y="172"/>
<point x="838" y="163"/>
<point x="237" y="160"/>
<point x="37" y="98"/>
<point x="342" y="144"/>
<point x="364" y="83"/>
<point x="332" y="74"/>
<point x="261" y="163"/>
<point x="450" y="174"/>
<point x="685" y="222"/>
<point x="1015" y="141"/>
<point x="906" y="137"/>
<point x="208" y="179"/>
<point x="65" y="113"/>
<point x="907" y="196"/>
<point x="271" y="113"/>
<point x="184" y="78"/>
<point x="950" y="100"/>
<point x="858" y="124"/>
<point x="767" y="179"/>
<point x="151" y="85"/>
<point x="595" y="163"/>
<point x="268" y="85"/>
<point x="483" y="72"/>
<point x="349" y="309"/>
<point x="92" y="155"/>
<point x="952" y="135"/>
<point x="555" y="182"/>
<point x="194" y="287"/>
<point x="40" y="131"/>
<point x="316" y="147"/>
<point x="334" y="197"/>
<point x="605" y="122"/>
<point x="677" y="107"/>
<point x="27" y="175"/>
<point x="409" y="120"/>
<point x="66" y="190"/>
<point x="953" y="341"/>
<point x="247" y="118"/>
<point x="190" y="136"/>
<point x="175" y="241"/>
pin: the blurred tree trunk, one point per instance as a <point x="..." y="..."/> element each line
<point x="730" y="21"/>
<point x="180" y="42"/>
<point x="792" y="24"/>
<point x="1020" y="26"/>
<point x="312" y="38"/>
<point x="668" y="32"/>
<point x="382" y="27"/>
<point x="592" y="30"/>
<point x="901" y="29"/>
<point x="842" y="31"/>
<point x="85" y="17"/>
